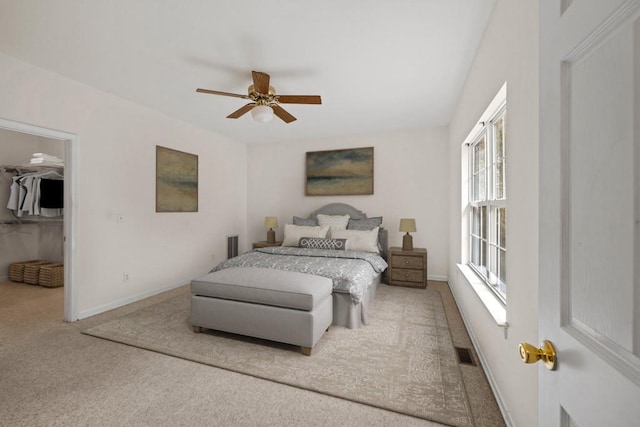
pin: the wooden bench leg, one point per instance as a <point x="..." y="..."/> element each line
<point x="306" y="351"/>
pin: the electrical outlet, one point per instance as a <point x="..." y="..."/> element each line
<point x="125" y="277"/>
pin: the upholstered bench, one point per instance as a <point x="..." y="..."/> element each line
<point x="289" y="307"/>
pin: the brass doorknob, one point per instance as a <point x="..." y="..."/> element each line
<point x="531" y="354"/>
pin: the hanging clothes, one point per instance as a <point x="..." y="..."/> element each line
<point x="14" y="195"/>
<point x="26" y="194"/>
<point x="51" y="193"/>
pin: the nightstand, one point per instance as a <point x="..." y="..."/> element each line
<point x="265" y="244"/>
<point x="408" y="268"/>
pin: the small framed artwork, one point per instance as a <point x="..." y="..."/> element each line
<point x="176" y="181"/>
<point x="340" y="172"/>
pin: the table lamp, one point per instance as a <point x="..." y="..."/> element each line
<point x="407" y="225"/>
<point x="271" y="222"/>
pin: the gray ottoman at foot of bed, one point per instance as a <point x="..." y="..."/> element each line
<point x="283" y="306"/>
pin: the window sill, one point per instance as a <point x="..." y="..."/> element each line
<point x="489" y="300"/>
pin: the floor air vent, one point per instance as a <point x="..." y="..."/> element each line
<point x="464" y="356"/>
<point x="232" y="246"/>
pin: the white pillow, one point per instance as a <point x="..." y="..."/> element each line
<point x="359" y="240"/>
<point x="293" y="233"/>
<point x="336" y="222"/>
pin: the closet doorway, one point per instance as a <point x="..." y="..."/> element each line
<point x="69" y="146"/>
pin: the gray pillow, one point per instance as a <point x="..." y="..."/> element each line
<point x="364" y="224"/>
<point x="320" y="243"/>
<point x="307" y="222"/>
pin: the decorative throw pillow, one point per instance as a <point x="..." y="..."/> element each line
<point x="359" y="240"/>
<point x="364" y="224"/>
<point x="293" y="233"/>
<point x="308" y="222"/>
<point x="318" y="243"/>
<point x="336" y="222"/>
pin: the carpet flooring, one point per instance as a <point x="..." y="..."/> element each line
<point x="52" y="374"/>
<point x="403" y="361"/>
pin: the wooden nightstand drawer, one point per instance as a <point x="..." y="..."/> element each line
<point x="399" y="261"/>
<point x="404" y="275"/>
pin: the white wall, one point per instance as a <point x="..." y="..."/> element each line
<point x="508" y="52"/>
<point x="410" y="180"/>
<point x="116" y="175"/>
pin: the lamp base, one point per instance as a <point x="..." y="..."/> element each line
<point x="271" y="236"/>
<point x="407" y="242"/>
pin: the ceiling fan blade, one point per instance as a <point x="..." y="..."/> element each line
<point x="260" y="81"/>
<point x="282" y="113"/>
<point x="299" y="99"/>
<point x="217" y="92"/>
<point x="242" y="110"/>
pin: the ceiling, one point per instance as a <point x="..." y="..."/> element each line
<point x="378" y="65"/>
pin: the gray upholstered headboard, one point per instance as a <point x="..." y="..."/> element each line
<point x="344" y="209"/>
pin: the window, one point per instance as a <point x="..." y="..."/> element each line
<point x="487" y="201"/>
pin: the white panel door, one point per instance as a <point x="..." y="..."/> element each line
<point x="590" y="211"/>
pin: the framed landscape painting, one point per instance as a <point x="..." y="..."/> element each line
<point x="176" y="181"/>
<point x="340" y="172"/>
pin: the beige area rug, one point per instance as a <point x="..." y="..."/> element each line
<point x="403" y="361"/>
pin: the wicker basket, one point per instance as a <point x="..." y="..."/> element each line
<point x="16" y="269"/>
<point x="32" y="272"/>
<point x="51" y="275"/>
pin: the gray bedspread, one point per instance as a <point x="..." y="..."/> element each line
<point x="351" y="271"/>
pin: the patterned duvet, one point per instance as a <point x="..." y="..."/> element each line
<point x="351" y="271"/>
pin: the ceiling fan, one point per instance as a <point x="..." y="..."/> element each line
<point x="264" y="101"/>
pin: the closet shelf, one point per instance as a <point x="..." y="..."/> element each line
<point x="30" y="168"/>
<point x="32" y="221"/>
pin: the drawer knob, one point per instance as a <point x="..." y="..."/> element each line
<point x="406" y="261"/>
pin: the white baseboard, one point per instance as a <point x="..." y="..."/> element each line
<point x="129" y="300"/>
<point x="485" y="366"/>
<point x="438" y="278"/>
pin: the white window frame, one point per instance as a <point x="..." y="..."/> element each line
<point x="485" y="130"/>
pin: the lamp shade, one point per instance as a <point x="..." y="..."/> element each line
<point x="262" y="113"/>
<point x="408" y="225"/>
<point x="270" y="222"/>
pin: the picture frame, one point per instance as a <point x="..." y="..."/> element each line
<point x="339" y="172"/>
<point x="176" y="181"/>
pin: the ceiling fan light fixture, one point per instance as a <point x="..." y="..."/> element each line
<point x="264" y="101"/>
<point x="262" y="113"/>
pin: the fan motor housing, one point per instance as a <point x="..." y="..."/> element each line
<point x="252" y="89"/>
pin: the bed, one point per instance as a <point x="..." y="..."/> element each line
<point x="356" y="274"/>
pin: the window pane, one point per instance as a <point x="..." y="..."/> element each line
<point x="475" y="221"/>
<point x="503" y="266"/>
<point x="499" y="187"/>
<point x="475" y="250"/>
<point x="483" y="222"/>
<point x="474" y="188"/>
<point x="502" y="227"/>
<point x="480" y="154"/>
<point x="493" y="264"/>
<point x="474" y="160"/>
<point x="482" y="186"/>
<point x="499" y="135"/>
